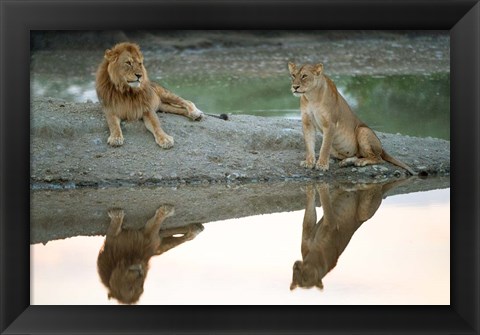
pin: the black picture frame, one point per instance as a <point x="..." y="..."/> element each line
<point x="18" y="18"/>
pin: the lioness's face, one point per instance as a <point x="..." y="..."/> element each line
<point x="304" y="78"/>
<point x="126" y="67"/>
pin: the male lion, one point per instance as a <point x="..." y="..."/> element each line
<point x="123" y="260"/>
<point x="345" y="136"/>
<point x="344" y="211"/>
<point x="126" y="93"/>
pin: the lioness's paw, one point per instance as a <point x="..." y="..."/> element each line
<point x="322" y="166"/>
<point x="165" y="210"/>
<point x="360" y="163"/>
<point x="116" y="213"/>
<point x="322" y="187"/>
<point x="166" y="142"/>
<point x="347" y="161"/>
<point x="115" y="141"/>
<point x="310" y="190"/>
<point x="307" y="164"/>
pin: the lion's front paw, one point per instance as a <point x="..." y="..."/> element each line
<point x="165" y="142"/>
<point x="116" y="213"/>
<point x="165" y="210"/>
<point x="115" y="141"/>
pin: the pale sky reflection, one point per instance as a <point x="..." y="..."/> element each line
<point x="400" y="256"/>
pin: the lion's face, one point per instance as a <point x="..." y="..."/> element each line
<point x="125" y="66"/>
<point x="306" y="276"/>
<point x="126" y="282"/>
<point x="304" y="79"/>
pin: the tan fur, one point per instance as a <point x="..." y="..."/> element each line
<point x="123" y="261"/>
<point x="344" y="211"/>
<point x="126" y="93"/>
<point x="345" y="136"/>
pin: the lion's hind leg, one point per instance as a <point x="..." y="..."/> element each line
<point x="172" y="238"/>
<point x="195" y="114"/>
<point x="369" y="149"/>
<point x="189" y="232"/>
<point x="174" y="104"/>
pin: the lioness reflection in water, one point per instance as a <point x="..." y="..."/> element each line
<point x="123" y="260"/>
<point x="344" y="211"/>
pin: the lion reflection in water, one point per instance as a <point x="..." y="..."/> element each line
<point x="344" y="211"/>
<point x="123" y="260"/>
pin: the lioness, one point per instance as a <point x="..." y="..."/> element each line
<point x="126" y="93"/>
<point x="123" y="260"/>
<point x="344" y="211"/>
<point x="345" y="136"/>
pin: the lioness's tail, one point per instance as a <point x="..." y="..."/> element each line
<point x="390" y="159"/>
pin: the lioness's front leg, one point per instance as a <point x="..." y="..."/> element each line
<point x="323" y="190"/>
<point x="310" y="216"/>
<point x="324" y="156"/>
<point x="309" y="137"/>
<point x="153" y="125"/>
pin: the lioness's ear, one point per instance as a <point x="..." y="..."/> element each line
<point x="291" y="67"/>
<point x="318" y="69"/>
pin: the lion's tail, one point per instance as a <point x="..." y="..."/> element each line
<point x="390" y="159"/>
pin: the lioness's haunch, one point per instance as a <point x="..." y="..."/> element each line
<point x="126" y="93"/>
<point x="345" y="136"/>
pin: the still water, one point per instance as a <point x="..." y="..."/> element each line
<point x="347" y="246"/>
